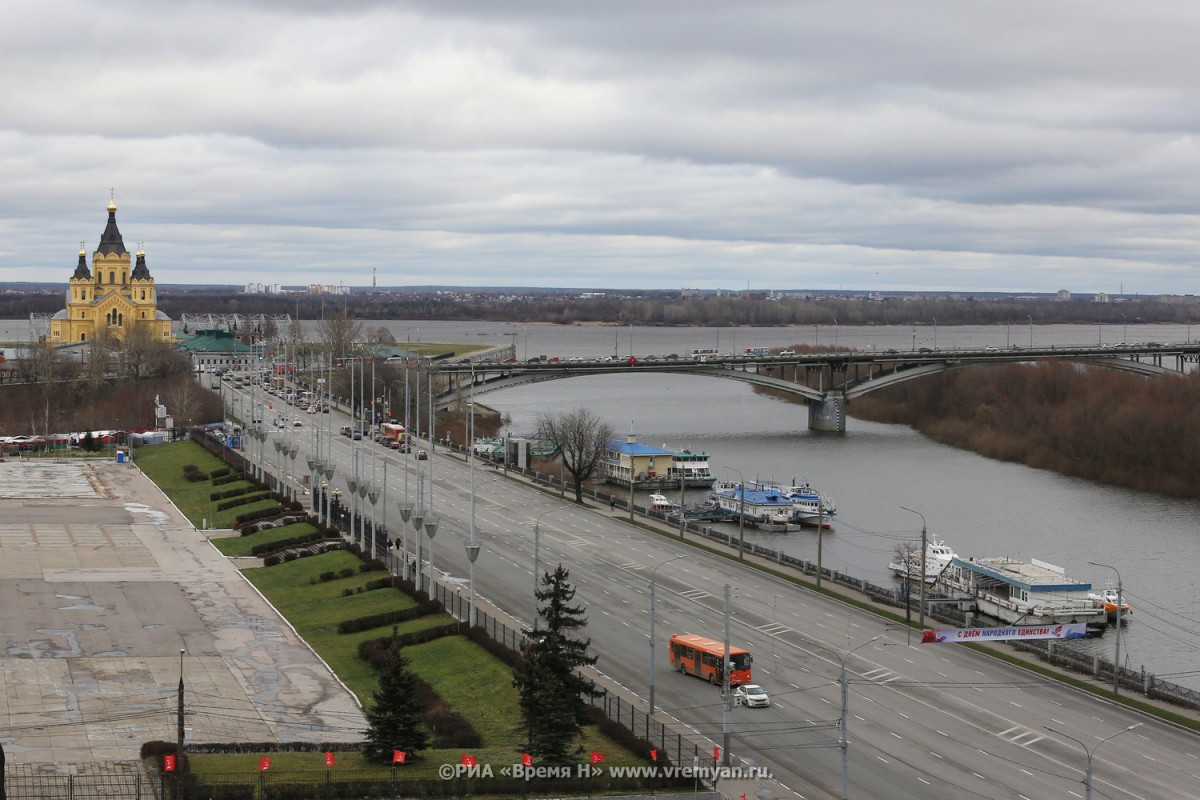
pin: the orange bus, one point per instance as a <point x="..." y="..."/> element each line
<point x="391" y="430"/>
<point x="701" y="656"/>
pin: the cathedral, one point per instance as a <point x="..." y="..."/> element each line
<point x="108" y="301"/>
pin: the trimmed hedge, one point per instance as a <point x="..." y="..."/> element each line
<point x="292" y="555"/>
<point x="193" y="473"/>
<point x="244" y="500"/>
<point x="450" y="729"/>
<point x="235" y="492"/>
<point x="388" y="618"/>
<point x="263" y="513"/>
<point x="283" y="544"/>
<point x="277" y="520"/>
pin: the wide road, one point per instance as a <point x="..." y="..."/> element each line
<point x="922" y="720"/>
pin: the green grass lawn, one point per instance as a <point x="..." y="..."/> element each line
<point x="316" y="609"/>
<point x="164" y="463"/>
<point x="474" y="683"/>
<point x="236" y="546"/>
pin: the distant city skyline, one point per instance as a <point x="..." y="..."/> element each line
<point x="765" y="145"/>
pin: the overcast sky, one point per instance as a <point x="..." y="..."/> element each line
<point x="891" y="145"/>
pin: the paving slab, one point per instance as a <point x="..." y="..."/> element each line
<point x="102" y="583"/>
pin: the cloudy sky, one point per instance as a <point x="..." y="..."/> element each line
<point x="808" y="144"/>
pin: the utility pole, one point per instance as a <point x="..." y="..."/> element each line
<point x="727" y="726"/>
<point x="178" y="727"/>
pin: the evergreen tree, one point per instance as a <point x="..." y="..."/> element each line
<point x="396" y="719"/>
<point x="553" y="693"/>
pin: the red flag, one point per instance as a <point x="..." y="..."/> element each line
<point x="264" y="764"/>
<point x="596" y="757"/>
<point x="716" y="752"/>
<point x="468" y="760"/>
<point x="654" y="755"/>
<point x="526" y="760"/>
<point x="168" y="763"/>
<point x="398" y="756"/>
<point x="329" y="758"/>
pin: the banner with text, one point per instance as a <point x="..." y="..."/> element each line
<point x="1073" y="630"/>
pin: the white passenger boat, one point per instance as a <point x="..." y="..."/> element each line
<point x="660" y="503"/>
<point x="938" y="556"/>
<point x="809" y="507"/>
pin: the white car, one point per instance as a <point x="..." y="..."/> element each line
<point x="751" y="694"/>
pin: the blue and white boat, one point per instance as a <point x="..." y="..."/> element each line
<point x="765" y="508"/>
<point x="810" y="507"/>
<point x="774" y="507"/>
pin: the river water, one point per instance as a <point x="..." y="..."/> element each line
<point x="979" y="506"/>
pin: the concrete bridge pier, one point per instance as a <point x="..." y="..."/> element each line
<point x="828" y="414"/>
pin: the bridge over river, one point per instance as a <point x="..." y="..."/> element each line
<point x="828" y="381"/>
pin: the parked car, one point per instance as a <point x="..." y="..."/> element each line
<point x="751" y="694"/>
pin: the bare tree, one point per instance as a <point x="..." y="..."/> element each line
<point x="340" y="333"/>
<point x="581" y="439"/>
<point x="380" y="335"/>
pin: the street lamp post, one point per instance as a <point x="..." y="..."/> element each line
<point x="473" y="545"/>
<point x="653" y="646"/>
<point x="741" y="513"/>
<point x="924" y="544"/>
<point x="431" y="526"/>
<point x="1087" y="775"/>
<point x="537" y="544"/>
<point x="1117" y="622"/>
<point x="1030" y="318"/>
<point x="934" y="332"/>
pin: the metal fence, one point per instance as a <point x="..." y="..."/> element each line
<point x="102" y="781"/>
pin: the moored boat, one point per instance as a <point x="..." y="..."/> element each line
<point x="938" y="555"/>
<point x="1108" y="600"/>
<point x="769" y="503"/>
<point x="767" y="509"/>
<point x="1019" y="593"/>
<point x="690" y="467"/>
<point x="660" y="503"/>
<point x="809" y="507"/>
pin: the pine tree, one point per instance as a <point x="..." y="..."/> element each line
<point x="553" y="693"/>
<point x="396" y="720"/>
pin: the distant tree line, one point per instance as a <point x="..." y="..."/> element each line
<point x="668" y="308"/>
<point x="1088" y="422"/>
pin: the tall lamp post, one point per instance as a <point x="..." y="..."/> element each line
<point x="653" y="646"/>
<point x="1030" y="318"/>
<point x="845" y="703"/>
<point x="741" y="513"/>
<point x="1087" y="775"/>
<point x="1117" y="622"/>
<point x="473" y="545"/>
<point x="537" y="545"/>
<point x="924" y="540"/>
<point x="934" y="332"/>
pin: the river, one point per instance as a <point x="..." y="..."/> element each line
<point x="979" y="506"/>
